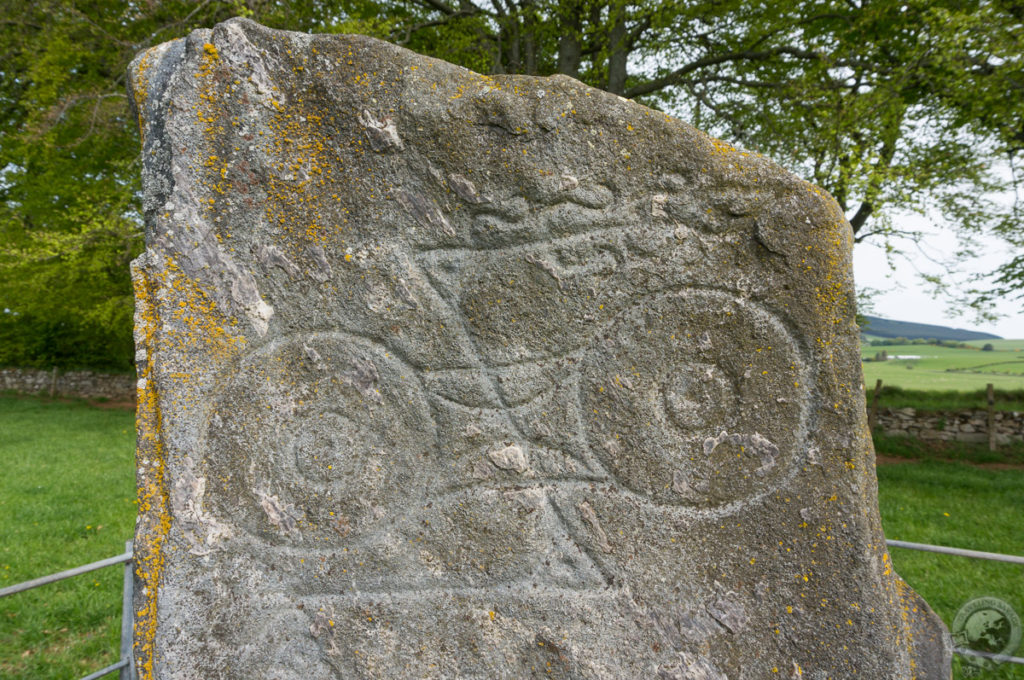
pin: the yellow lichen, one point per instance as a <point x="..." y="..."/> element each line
<point x="141" y="88"/>
<point x="154" y="520"/>
<point x="200" y="326"/>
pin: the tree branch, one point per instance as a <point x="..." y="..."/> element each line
<point x="637" y="31"/>
<point x="742" y="82"/>
<point x="861" y="216"/>
<point x="12" y="22"/>
<point x="439" y="6"/>
<point x="89" y="20"/>
<point x="409" y="30"/>
<point x="149" y="41"/>
<point x="674" y="77"/>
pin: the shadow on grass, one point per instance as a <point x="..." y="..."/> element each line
<point x="911" y="448"/>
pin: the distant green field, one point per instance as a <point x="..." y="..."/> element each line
<point x="1006" y="345"/>
<point x="947" y="368"/>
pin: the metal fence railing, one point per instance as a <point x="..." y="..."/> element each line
<point x="959" y="552"/>
<point x="126" y="665"/>
<point x="973" y="554"/>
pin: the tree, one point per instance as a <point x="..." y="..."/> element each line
<point x="67" y="222"/>
<point x="918" y="108"/>
<point x="69" y="190"/>
<point x="888" y="105"/>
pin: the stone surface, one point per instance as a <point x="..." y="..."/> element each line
<point x="451" y="376"/>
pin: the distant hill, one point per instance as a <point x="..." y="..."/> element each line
<point x="887" y="328"/>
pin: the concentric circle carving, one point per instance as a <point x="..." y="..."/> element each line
<point x="697" y="398"/>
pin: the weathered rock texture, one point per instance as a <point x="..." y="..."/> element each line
<point x="451" y="376"/>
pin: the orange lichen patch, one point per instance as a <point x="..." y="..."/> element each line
<point x="200" y="326"/>
<point x="154" y="520"/>
<point x="721" y="148"/>
<point x="302" y="152"/>
<point x="827" y="258"/>
<point x="140" y="87"/>
<point x="209" y="60"/>
<point x="208" y="110"/>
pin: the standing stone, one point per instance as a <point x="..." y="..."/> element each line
<point x="453" y="376"/>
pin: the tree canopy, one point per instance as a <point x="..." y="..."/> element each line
<point x="891" y="106"/>
<point x="70" y="220"/>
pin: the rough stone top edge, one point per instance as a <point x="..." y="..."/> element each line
<point x="171" y="55"/>
<point x="155" y="74"/>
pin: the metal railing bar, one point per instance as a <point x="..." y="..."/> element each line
<point x="107" y="671"/>
<point x="60" y="576"/>
<point x="988" y="655"/>
<point x="960" y="552"/>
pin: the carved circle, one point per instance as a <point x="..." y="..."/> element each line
<point x="329" y="427"/>
<point x="696" y="398"/>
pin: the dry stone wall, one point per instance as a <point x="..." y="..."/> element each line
<point x="964" y="426"/>
<point x="84" y="384"/>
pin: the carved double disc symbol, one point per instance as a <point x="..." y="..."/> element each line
<point x="696" y="398"/>
<point x="319" y="431"/>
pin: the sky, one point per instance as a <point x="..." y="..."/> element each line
<point x="904" y="297"/>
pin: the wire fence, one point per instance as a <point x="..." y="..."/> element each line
<point x="972" y="554"/>
<point x="125" y="667"/>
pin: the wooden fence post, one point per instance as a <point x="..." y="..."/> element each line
<point x="873" y="413"/>
<point x="991" y="418"/>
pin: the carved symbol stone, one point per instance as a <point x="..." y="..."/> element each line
<point x="337" y="439"/>
<point x="444" y="375"/>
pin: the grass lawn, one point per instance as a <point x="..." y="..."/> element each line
<point x="961" y="506"/>
<point x="947" y="368"/>
<point x="67" y="497"/>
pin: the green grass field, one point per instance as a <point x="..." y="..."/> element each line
<point x="956" y="505"/>
<point x="999" y="345"/>
<point x="67" y="498"/>
<point x="947" y="368"/>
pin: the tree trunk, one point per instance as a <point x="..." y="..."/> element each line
<point x="570" y="46"/>
<point x="508" y="29"/>
<point x="618" y="51"/>
<point x="861" y="216"/>
<point x="529" y="39"/>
